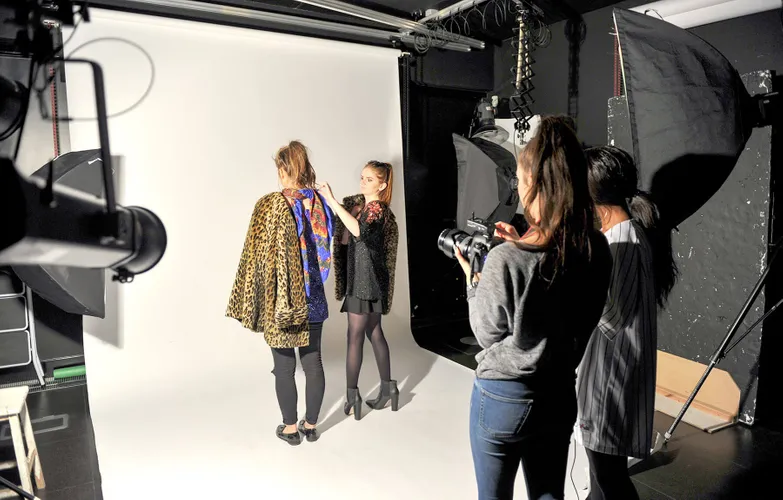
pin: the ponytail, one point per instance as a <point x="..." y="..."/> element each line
<point x="643" y="210"/>
<point x="613" y="179"/>
<point x="295" y="162"/>
<point x="385" y="174"/>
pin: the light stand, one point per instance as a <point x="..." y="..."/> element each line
<point x="724" y="347"/>
<point x="16" y="489"/>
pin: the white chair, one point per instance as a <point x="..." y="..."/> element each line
<point x="13" y="409"/>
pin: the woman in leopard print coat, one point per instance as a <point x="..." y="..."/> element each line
<point x="279" y="286"/>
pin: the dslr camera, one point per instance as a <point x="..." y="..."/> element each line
<point x="475" y="246"/>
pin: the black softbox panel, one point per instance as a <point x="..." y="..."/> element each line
<point x="74" y="290"/>
<point x="690" y="114"/>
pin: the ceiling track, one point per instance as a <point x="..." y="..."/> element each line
<point x="451" y="10"/>
<point x="404" y="25"/>
<point x="251" y="16"/>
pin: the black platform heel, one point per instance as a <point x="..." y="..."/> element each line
<point x="389" y="391"/>
<point x="310" y="434"/>
<point x="292" y="439"/>
<point x="353" y="402"/>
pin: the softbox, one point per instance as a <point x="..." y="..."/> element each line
<point x="74" y="290"/>
<point x="485" y="181"/>
<point x="690" y="115"/>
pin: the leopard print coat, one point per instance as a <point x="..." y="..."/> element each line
<point x="390" y="241"/>
<point x="268" y="295"/>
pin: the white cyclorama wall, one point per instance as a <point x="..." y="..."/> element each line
<point x="198" y="152"/>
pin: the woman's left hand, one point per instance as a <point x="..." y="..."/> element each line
<point x="463" y="262"/>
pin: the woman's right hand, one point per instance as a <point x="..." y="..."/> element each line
<point x="506" y="231"/>
<point x="326" y="191"/>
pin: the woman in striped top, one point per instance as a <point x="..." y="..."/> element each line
<point x="616" y="378"/>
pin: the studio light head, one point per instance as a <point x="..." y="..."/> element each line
<point x="483" y="125"/>
<point x="60" y="226"/>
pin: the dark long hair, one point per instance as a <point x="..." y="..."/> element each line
<point x="613" y="180"/>
<point x="556" y="163"/>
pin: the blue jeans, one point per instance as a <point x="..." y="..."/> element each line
<point x="512" y="424"/>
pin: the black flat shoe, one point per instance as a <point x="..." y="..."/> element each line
<point x="389" y="392"/>
<point x="310" y="434"/>
<point x="293" y="439"/>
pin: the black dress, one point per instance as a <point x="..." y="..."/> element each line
<point x="367" y="276"/>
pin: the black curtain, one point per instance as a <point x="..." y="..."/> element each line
<point x="436" y="283"/>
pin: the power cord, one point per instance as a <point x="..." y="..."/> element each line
<point x="571" y="474"/>
<point x="144" y="96"/>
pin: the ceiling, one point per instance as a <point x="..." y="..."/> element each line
<point x="472" y="25"/>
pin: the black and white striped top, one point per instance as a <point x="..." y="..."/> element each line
<point x="616" y="378"/>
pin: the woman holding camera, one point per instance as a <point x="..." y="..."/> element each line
<point x="279" y="285"/>
<point x="616" y="380"/>
<point x="533" y="308"/>
<point x="367" y="236"/>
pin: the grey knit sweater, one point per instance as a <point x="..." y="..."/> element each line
<point x="529" y="329"/>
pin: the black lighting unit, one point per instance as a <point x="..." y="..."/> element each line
<point x="687" y="142"/>
<point x="54" y="225"/>
<point x="44" y="224"/>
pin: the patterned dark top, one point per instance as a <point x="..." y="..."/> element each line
<point x="314" y="227"/>
<point x="368" y="276"/>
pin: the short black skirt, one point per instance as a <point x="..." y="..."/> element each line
<point x="358" y="306"/>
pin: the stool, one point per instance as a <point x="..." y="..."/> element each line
<point x="13" y="409"/>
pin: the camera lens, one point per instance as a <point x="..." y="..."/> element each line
<point x="449" y="238"/>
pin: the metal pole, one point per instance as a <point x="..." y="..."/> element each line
<point x="397" y="22"/>
<point x="451" y="10"/>
<point x="720" y="352"/>
<point x="272" y="17"/>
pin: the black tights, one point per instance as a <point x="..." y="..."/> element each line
<point x="609" y="478"/>
<point x="360" y="325"/>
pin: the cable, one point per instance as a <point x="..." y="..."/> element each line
<point x="460" y="23"/>
<point x="126" y="110"/>
<point x="571" y="474"/>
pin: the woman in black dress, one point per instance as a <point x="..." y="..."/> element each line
<point x="371" y="239"/>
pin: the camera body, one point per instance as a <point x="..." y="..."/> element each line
<point x="474" y="246"/>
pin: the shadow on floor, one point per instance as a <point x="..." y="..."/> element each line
<point x="410" y="365"/>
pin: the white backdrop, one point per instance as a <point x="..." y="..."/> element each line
<point x="198" y="153"/>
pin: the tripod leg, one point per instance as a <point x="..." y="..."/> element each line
<point x="721" y="351"/>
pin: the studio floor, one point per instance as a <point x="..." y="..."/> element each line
<point x="219" y="442"/>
